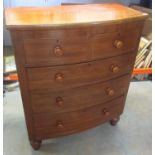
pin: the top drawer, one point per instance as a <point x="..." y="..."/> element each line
<point x="58" y="47"/>
<point x="113" y="44"/>
<point x="44" y="52"/>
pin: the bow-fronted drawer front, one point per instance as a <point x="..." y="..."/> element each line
<point x="71" y="76"/>
<point x="52" y="125"/>
<point x="48" y="101"/>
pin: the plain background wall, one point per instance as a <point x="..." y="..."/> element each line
<point x="17" y="3"/>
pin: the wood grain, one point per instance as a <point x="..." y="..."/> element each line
<point x="44" y="51"/>
<point x="45" y="101"/>
<point x="79" y="49"/>
<point x="44" y="78"/>
<point x="32" y="17"/>
<point x="46" y="125"/>
<point x="22" y="75"/>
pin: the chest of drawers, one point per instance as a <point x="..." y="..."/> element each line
<point x="74" y="65"/>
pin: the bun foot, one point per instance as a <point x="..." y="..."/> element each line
<point x="36" y="144"/>
<point x="114" y="121"/>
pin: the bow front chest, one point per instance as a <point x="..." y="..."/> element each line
<point x="74" y="64"/>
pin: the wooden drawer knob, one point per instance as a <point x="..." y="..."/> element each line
<point x="114" y="68"/>
<point x="106" y="112"/>
<point x="59" y="77"/>
<point x="59" y="101"/>
<point x="110" y="91"/>
<point x="60" y="125"/>
<point x="58" y="51"/>
<point x="118" y="44"/>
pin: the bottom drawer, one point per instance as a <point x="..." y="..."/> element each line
<point x="53" y="125"/>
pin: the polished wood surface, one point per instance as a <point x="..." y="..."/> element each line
<point x="49" y="125"/>
<point x="86" y="46"/>
<point x="69" y="15"/>
<point x="46" y="101"/>
<point x="74" y="70"/>
<point x="44" y="50"/>
<point x="70" y="76"/>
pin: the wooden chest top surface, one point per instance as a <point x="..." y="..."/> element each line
<point x="30" y="17"/>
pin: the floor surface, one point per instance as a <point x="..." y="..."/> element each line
<point x="131" y="136"/>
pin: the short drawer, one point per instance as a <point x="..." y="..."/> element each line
<point x="68" y="76"/>
<point x="52" y="125"/>
<point x="113" y="44"/>
<point x="45" y="52"/>
<point x="47" y="101"/>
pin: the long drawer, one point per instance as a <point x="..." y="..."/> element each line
<point x="78" y="98"/>
<point x="64" y="77"/>
<point x="49" y="125"/>
<point x="50" y="51"/>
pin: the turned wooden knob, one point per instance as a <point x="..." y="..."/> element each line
<point x="114" y="68"/>
<point x="58" y="51"/>
<point x="59" y="101"/>
<point x="118" y="44"/>
<point x="59" y="77"/>
<point x="60" y="124"/>
<point x="110" y="91"/>
<point x="106" y="112"/>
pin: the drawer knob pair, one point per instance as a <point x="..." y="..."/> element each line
<point x="110" y="91"/>
<point x="60" y="125"/>
<point x="106" y="112"/>
<point x="118" y="44"/>
<point x="114" y="68"/>
<point x="58" y="51"/>
<point x="59" y="77"/>
<point x="59" y="101"/>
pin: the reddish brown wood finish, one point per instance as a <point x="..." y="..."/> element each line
<point x="74" y="73"/>
<point x="31" y="17"/>
<point x="55" y="50"/>
<point x="45" y="100"/>
<point x="50" y="125"/>
<point x="68" y="76"/>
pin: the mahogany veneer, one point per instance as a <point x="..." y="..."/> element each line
<point x="74" y="65"/>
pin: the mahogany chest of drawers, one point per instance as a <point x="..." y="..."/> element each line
<point x="74" y="65"/>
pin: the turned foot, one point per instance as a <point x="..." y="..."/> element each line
<point x="114" y="121"/>
<point x="35" y="144"/>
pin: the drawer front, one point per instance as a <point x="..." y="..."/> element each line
<point x="51" y="125"/>
<point x="113" y="44"/>
<point x="64" y="77"/>
<point x="44" y="52"/>
<point x="47" y="101"/>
